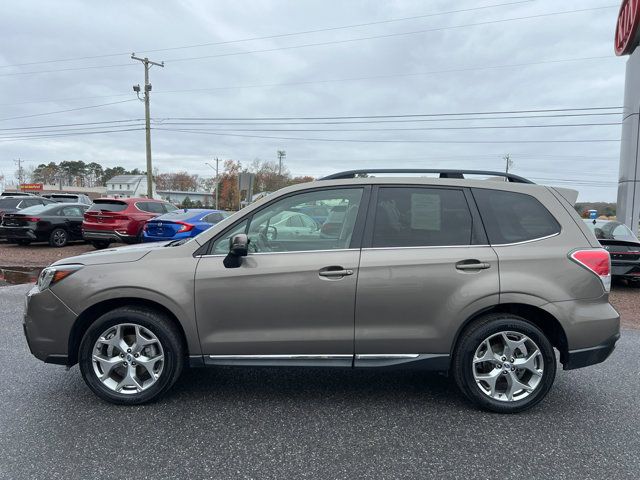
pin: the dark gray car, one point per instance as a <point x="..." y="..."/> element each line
<point x="480" y="279"/>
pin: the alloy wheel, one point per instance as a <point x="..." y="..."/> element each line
<point x="508" y="366"/>
<point x="128" y="358"/>
<point x="59" y="237"/>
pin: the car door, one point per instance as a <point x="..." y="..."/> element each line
<point x="73" y="217"/>
<point x="425" y="266"/>
<point x="291" y="300"/>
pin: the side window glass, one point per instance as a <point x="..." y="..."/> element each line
<point x="511" y="217"/>
<point x="280" y="227"/>
<point x="415" y="217"/>
<point x="221" y="245"/>
<point x="72" y="212"/>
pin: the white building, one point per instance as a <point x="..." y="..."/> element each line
<point x="128" y="186"/>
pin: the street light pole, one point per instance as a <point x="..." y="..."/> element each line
<point x="217" y="179"/>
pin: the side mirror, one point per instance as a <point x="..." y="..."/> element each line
<point x="238" y="248"/>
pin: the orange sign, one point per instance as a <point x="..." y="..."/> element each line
<point x="31" y="187"/>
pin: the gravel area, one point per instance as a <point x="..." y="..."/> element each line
<point x="38" y="254"/>
<point x="626" y="301"/>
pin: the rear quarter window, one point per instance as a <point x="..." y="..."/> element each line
<point x="511" y="217"/>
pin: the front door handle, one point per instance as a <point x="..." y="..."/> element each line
<point x="333" y="272"/>
<point x="472" y="265"/>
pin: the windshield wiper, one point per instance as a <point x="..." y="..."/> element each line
<point x="175" y="243"/>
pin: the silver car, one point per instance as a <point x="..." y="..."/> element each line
<point x="481" y="279"/>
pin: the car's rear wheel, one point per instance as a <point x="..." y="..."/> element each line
<point x="504" y="363"/>
<point x="131" y="355"/>
<point x="100" y="244"/>
<point x="58" y="237"/>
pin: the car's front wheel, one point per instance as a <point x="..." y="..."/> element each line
<point x="504" y="363"/>
<point x="131" y="355"/>
<point x="100" y="244"/>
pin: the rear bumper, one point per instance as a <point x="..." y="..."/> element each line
<point x="590" y="356"/>
<point x="629" y="270"/>
<point x="108" y="235"/>
<point x="18" y="232"/>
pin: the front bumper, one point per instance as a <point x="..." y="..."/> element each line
<point x="47" y="324"/>
<point x="590" y="356"/>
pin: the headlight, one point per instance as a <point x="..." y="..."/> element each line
<point x="52" y="275"/>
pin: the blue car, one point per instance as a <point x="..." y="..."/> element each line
<point x="181" y="224"/>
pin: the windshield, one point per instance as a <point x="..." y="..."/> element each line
<point x="108" y="206"/>
<point x="180" y="215"/>
<point x="9" y="202"/>
<point x="611" y="231"/>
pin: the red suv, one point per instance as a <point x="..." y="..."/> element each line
<point x="120" y="219"/>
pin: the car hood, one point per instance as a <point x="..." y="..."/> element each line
<point x="129" y="253"/>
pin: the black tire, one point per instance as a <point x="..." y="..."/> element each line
<point x="167" y="334"/>
<point x="100" y="244"/>
<point x="633" y="283"/>
<point x="23" y="242"/>
<point x="58" y="238"/>
<point x="471" y="339"/>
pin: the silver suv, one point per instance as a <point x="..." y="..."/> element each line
<point x="481" y="279"/>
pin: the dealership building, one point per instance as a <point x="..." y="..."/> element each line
<point x="627" y="38"/>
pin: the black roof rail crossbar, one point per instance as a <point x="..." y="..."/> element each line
<point x="510" y="177"/>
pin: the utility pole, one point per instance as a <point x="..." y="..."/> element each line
<point x="217" y="179"/>
<point x="147" y="116"/>
<point x="281" y="154"/>
<point x="20" y="176"/>
<point x="509" y="163"/>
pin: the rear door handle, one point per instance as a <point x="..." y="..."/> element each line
<point x="335" y="272"/>
<point x="472" y="265"/>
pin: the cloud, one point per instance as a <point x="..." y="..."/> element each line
<point x="40" y="30"/>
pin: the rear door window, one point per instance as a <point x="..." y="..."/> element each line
<point x="421" y="217"/>
<point x="511" y="217"/>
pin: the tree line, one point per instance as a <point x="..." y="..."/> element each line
<point x="269" y="177"/>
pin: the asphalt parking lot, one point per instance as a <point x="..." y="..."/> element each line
<point x="294" y="423"/>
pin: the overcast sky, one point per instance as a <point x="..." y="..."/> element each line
<point x="545" y="62"/>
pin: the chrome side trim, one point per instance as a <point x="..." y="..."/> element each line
<point x="526" y="241"/>
<point x="423" y="247"/>
<point x="286" y="253"/>
<point x="379" y="356"/>
<point x="322" y="356"/>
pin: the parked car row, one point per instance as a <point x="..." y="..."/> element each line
<point x="26" y="219"/>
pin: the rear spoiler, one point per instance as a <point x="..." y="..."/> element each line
<point x="569" y="194"/>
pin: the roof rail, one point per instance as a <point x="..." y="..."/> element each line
<point x="509" y="177"/>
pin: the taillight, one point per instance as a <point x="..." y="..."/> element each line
<point x="32" y="219"/>
<point x="597" y="261"/>
<point x="184" y="227"/>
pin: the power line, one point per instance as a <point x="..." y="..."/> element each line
<point x="404" y="129"/>
<point x="352" y="140"/>
<point x="269" y="37"/>
<point x="73" y="124"/>
<point x="67" y="110"/>
<point x="326" y="43"/>
<point x="36" y="137"/>
<point x="336" y="80"/>
<point x="388" y="35"/>
<point x="411" y="115"/>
